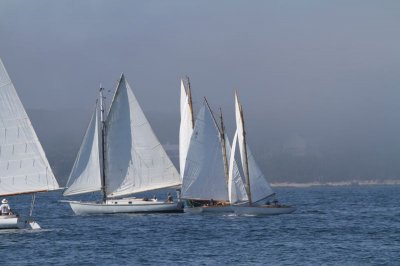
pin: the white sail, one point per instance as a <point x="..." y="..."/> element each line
<point x="135" y="160"/>
<point x="23" y="164"/>
<point x="236" y="188"/>
<point x="186" y="128"/>
<point x="259" y="186"/>
<point x="86" y="175"/>
<point x="204" y="176"/>
<point x="240" y="134"/>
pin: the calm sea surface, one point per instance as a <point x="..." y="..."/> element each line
<point x="332" y="226"/>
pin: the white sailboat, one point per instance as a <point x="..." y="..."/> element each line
<point x="123" y="159"/>
<point x="252" y="200"/>
<point x="204" y="184"/>
<point x="24" y="168"/>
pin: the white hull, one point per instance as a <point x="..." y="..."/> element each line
<point x="124" y="206"/>
<point x="262" y="210"/>
<point x="209" y="209"/>
<point x="9" y="222"/>
<point x="14" y="222"/>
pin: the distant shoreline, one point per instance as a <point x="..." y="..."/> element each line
<point x="338" y="184"/>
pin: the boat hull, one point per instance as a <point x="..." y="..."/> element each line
<point x="9" y="222"/>
<point x="15" y="222"/>
<point x="208" y="209"/>
<point x="125" y="206"/>
<point x="263" y="210"/>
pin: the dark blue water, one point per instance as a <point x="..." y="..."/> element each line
<point x="332" y="226"/>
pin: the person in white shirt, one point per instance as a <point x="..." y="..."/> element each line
<point x="4" y="207"/>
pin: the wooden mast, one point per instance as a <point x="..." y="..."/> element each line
<point x="248" y="187"/>
<point x="103" y="129"/>
<point x="223" y="140"/>
<point x="221" y="134"/>
<point x="189" y="93"/>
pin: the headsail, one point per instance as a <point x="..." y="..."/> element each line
<point x="236" y="188"/>
<point x="204" y="176"/>
<point x="186" y="127"/>
<point x="23" y="164"/>
<point x="135" y="159"/>
<point x="85" y="175"/>
<point x="259" y="186"/>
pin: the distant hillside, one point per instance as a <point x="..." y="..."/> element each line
<point x="284" y="154"/>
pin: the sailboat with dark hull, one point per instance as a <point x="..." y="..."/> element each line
<point x="24" y="168"/>
<point x="125" y="158"/>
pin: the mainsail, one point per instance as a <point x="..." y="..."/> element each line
<point x="259" y="186"/>
<point x="236" y="187"/>
<point x="23" y="164"/>
<point x="85" y="175"/>
<point x="204" y="176"/>
<point x="186" y="127"/>
<point x="135" y="159"/>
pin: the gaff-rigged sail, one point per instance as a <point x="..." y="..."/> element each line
<point x="135" y="159"/>
<point x="186" y="127"/>
<point x="204" y="176"/>
<point x="23" y="164"/>
<point x="85" y="176"/>
<point x="259" y="186"/>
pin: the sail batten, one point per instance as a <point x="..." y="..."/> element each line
<point x="204" y="176"/>
<point x="85" y="176"/>
<point x="135" y="160"/>
<point x="24" y="167"/>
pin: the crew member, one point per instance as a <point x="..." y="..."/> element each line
<point x="169" y="197"/>
<point x="4" y="207"/>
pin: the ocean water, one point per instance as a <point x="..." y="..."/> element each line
<point x="332" y="226"/>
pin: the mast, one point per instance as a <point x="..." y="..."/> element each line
<point x="103" y="129"/>
<point x="224" y="147"/>
<point x="189" y="92"/>
<point x="245" y="153"/>
<point x="222" y="137"/>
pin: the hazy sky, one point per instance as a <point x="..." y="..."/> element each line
<point x="299" y="57"/>
<point x="323" y="72"/>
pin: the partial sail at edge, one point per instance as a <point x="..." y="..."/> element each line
<point x="23" y="164"/>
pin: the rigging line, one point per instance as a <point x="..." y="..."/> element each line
<point x="32" y="204"/>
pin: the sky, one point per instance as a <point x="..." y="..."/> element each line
<point x="313" y="73"/>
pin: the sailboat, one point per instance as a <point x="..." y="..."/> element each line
<point x="255" y="198"/>
<point x="204" y="183"/>
<point x="24" y="168"/>
<point x="120" y="157"/>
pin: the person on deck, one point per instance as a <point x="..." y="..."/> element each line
<point x="4" y="207"/>
<point x="275" y="202"/>
<point x="169" y="197"/>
